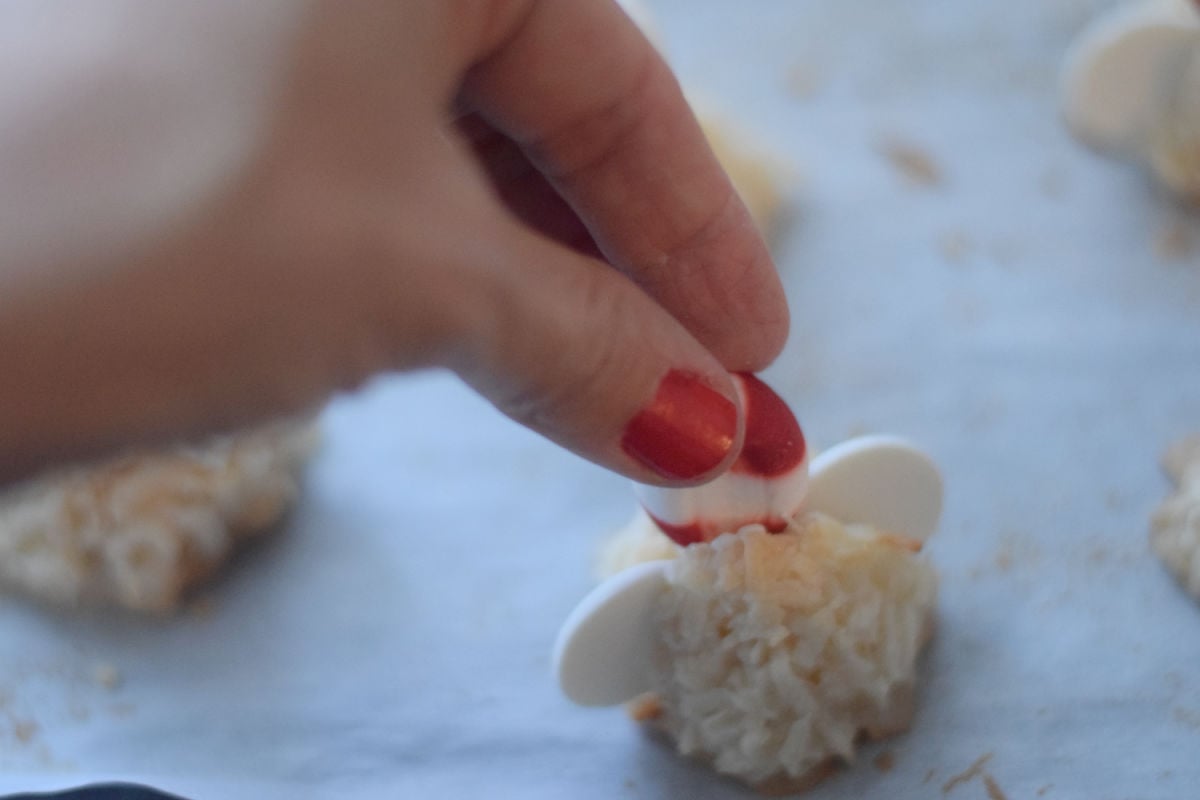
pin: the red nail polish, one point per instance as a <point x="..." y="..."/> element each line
<point x="686" y="430"/>
<point x="774" y="443"/>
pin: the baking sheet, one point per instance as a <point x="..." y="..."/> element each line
<point x="1033" y="318"/>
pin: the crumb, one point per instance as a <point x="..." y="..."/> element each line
<point x="24" y="730"/>
<point x="1165" y="774"/>
<point x="802" y="81"/>
<point x="107" y="677"/>
<point x="79" y="712"/>
<point x="1016" y="550"/>
<point x="645" y="708"/>
<point x="1174" y="680"/>
<point x="955" y="247"/>
<point x="929" y="776"/>
<point x="1187" y="716"/>
<point x="912" y="162"/>
<point x="1114" y="500"/>
<point x="1041" y="792"/>
<point x="885" y="761"/>
<point x="1173" y="241"/>
<point x="630" y="784"/>
<point x="994" y="791"/>
<point x="970" y="773"/>
<point x="1097" y="555"/>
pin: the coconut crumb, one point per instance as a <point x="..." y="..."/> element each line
<point x="885" y="761"/>
<point x="645" y="708"/>
<point x="994" y="791"/>
<point x="912" y="162"/>
<point x="969" y="774"/>
<point x="1187" y="717"/>
<point x="24" y="730"/>
<point x="106" y="676"/>
<point x="955" y="247"/>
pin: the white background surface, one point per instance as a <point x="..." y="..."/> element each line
<point x="394" y="641"/>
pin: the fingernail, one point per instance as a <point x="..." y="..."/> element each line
<point x="687" y="429"/>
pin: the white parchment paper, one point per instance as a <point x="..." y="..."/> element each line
<point x="1016" y="317"/>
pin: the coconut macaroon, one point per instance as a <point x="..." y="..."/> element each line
<point x="778" y="617"/>
<point x="1175" y="524"/>
<point x="142" y="529"/>
<point x="779" y="652"/>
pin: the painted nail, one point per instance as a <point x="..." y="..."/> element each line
<point x="774" y="444"/>
<point x="686" y="430"/>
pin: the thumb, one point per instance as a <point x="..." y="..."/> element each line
<point x="576" y="351"/>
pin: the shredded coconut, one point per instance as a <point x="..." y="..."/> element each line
<point x="141" y="529"/>
<point x="779" y="651"/>
<point x="639" y="541"/>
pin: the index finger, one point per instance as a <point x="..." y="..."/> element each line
<point x="599" y="112"/>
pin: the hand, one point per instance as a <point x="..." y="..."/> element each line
<point x="513" y="189"/>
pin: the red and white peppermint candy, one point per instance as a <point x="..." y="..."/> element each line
<point x="766" y="484"/>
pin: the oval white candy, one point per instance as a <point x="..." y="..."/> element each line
<point x="1118" y="75"/>
<point x="592" y="658"/>
<point x="881" y="481"/>
<point x="730" y="502"/>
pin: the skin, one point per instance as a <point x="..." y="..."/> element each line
<point x="440" y="183"/>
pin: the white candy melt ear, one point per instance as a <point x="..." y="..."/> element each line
<point x="881" y="481"/>
<point x="603" y="653"/>
<point x="1118" y="78"/>
<point x="766" y="484"/>
<point x="605" y="650"/>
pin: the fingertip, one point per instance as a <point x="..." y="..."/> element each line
<point x="575" y="351"/>
<point x="745" y="330"/>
